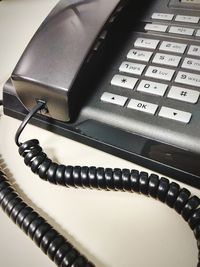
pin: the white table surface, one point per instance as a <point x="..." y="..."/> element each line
<point x="111" y="229"/>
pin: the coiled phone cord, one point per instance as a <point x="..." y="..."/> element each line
<point x="38" y="229"/>
<point x="53" y="244"/>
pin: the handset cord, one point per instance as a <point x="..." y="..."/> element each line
<point x="49" y="240"/>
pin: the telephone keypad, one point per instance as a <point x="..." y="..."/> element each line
<point x="176" y="56"/>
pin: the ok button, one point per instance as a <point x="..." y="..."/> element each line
<point x="142" y="106"/>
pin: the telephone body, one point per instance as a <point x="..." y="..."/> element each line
<point x="121" y="76"/>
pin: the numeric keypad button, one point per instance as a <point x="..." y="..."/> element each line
<point x="194" y="50"/>
<point x="160" y="73"/>
<point x="165" y="59"/>
<point x="146" y="43"/>
<point x="173" y="47"/>
<point x="153" y="88"/>
<point x="124" y="81"/>
<point x="188" y="78"/>
<point x="139" y="55"/>
<point x="191" y="64"/>
<point x="183" y="94"/>
<point x="132" y="68"/>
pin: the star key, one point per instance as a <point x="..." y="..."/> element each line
<point x="123" y="80"/>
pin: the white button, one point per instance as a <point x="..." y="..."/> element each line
<point x="198" y="33"/>
<point x="173" y="47"/>
<point x="124" y="81"/>
<point x="162" y="16"/>
<point x="183" y="94"/>
<point x="114" y="99"/>
<point x="139" y="55"/>
<point x="160" y="73"/>
<point x="175" y="114"/>
<point x="132" y="68"/>
<point x="188" y="78"/>
<point x="191" y="64"/>
<point x="152" y="87"/>
<point x="189" y="19"/>
<point x="142" y="106"/>
<point x="146" y="43"/>
<point x="191" y="1"/>
<point x="166" y="59"/>
<point x="194" y="50"/>
<point x="181" y="30"/>
<point x="155" y="27"/>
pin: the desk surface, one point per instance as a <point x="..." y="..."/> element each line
<point x="111" y="229"/>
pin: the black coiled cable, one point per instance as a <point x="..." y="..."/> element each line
<point x="37" y="228"/>
<point x="87" y="177"/>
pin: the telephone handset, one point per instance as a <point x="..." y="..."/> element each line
<point x="58" y="52"/>
<point x="123" y="78"/>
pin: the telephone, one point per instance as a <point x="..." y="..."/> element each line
<point x="127" y="85"/>
<point x="121" y="78"/>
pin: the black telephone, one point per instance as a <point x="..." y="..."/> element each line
<point x="122" y="77"/>
<point x="127" y="85"/>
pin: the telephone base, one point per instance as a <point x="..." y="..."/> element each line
<point x="157" y="156"/>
